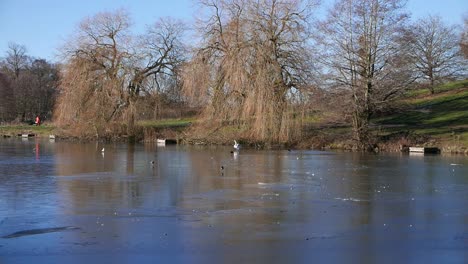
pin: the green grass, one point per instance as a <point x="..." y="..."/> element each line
<point x="442" y="116"/>
<point x="43" y="130"/>
<point x="166" y="123"/>
<point x="448" y="109"/>
<point x="438" y="89"/>
<point x="451" y="86"/>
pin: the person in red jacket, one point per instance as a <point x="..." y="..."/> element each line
<point x="38" y="121"/>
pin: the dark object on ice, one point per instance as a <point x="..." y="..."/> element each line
<point x="40" y="231"/>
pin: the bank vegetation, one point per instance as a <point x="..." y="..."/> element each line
<point x="267" y="73"/>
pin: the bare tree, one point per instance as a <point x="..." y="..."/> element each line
<point x="251" y="63"/>
<point x="107" y="69"/>
<point x="205" y="77"/>
<point x="94" y="77"/>
<point x="160" y="54"/>
<point x="44" y="94"/>
<point x="464" y="38"/>
<point x="24" y="87"/>
<point x="16" y="59"/>
<point x="31" y="83"/>
<point x="35" y="90"/>
<point x="362" y="54"/>
<point x="280" y="31"/>
<point x="7" y="102"/>
<point x="14" y="65"/>
<point x="434" y="50"/>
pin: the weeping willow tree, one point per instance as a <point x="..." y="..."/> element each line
<point x="94" y="75"/>
<point x="107" y="71"/>
<point x="252" y="64"/>
<point x="89" y="102"/>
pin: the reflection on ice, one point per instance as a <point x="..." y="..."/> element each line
<point x="268" y="205"/>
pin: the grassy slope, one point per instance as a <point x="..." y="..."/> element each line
<point x="442" y="117"/>
<point x="47" y="129"/>
<point x="166" y="123"/>
<point x="13" y="130"/>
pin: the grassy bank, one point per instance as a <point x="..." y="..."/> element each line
<point x="166" y="123"/>
<point x="165" y="128"/>
<point x="439" y="120"/>
<point x="420" y="119"/>
<point x="14" y="130"/>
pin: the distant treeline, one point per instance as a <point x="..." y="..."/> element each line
<point x="261" y="67"/>
<point x="28" y="86"/>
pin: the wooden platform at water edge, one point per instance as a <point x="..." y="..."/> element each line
<point x="427" y="150"/>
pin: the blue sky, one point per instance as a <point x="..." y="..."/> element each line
<point x="44" y="25"/>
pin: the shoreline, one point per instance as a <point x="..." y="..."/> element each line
<point x="315" y="142"/>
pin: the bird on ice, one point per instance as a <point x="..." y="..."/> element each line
<point x="236" y="145"/>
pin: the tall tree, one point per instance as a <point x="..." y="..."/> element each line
<point x="7" y="103"/>
<point x="107" y="69"/>
<point x="44" y="94"/>
<point x="435" y="51"/>
<point x="221" y="51"/>
<point x="280" y="31"/>
<point x="94" y="75"/>
<point x="14" y="65"/>
<point x="362" y="53"/>
<point x="16" y="59"/>
<point x="35" y="90"/>
<point x="31" y="83"/>
<point x="160" y="54"/>
<point x="464" y="38"/>
<point x="252" y="60"/>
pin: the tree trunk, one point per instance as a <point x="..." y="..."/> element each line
<point x="218" y="98"/>
<point x="361" y="118"/>
<point x="361" y="129"/>
<point x="431" y="88"/>
<point x="431" y="78"/>
<point x="131" y="118"/>
<point x="277" y="119"/>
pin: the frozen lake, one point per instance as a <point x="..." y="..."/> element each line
<point x="64" y="202"/>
